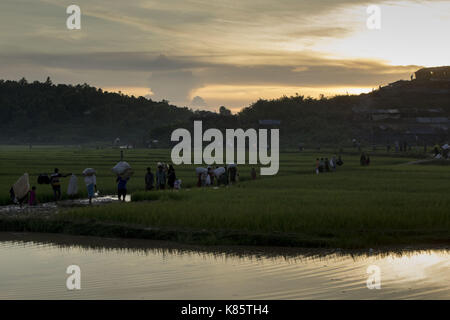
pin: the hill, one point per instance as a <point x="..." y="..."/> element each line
<point x="417" y="111"/>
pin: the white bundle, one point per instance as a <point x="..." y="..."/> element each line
<point x="201" y="170"/>
<point x="22" y="186"/>
<point x="219" y="171"/>
<point x="121" y="167"/>
<point x="72" y="188"/>
<point x="89" y="172"/>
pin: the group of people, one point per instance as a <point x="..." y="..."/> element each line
<point x="165" y="176"/>
<point x="219" y="175"/>
<point x="441" y="152"/>
<point x="325" y="165"/>
<point x="30" y="198"/>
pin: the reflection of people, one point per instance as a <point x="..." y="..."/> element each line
<point x="122" y="187"/>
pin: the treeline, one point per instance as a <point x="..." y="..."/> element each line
<point x="42" y="112"/>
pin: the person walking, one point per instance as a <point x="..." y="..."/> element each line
<point x="91" y="185"/>
<point x="160" y="178"/>
<point x="253" y="173"/>
<point x="122" y="187"/>
<point x="149" y="180"/>
<point x="321" y="165"/>
<point x="362" y="160"/>
<point x="171" y="177"/>
<point x="333" y="163"/>
<point x="56" y="184"/>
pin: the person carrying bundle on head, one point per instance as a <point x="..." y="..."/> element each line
<point x="91" y="182"/>
<point x="122" y="187"/>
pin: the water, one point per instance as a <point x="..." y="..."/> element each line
<point x="33" y="266"/>
<point x="48" y="208"/>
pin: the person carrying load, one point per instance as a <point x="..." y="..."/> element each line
<point x="56" y="184"/>
<point x="124" y="172"/>
<point x="91" y="182"/>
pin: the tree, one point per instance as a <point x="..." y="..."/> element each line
<point x="224" y="111"/>
<point x="48" y="81"/>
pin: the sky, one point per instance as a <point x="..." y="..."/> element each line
<point x="207" y="53"/>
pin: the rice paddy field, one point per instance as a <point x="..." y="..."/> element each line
<point x="390" y="202"/>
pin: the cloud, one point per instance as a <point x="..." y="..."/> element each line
<point x="174" y="86"/>
<point x="181" y="47"/>
<point x="176" y="78"/>
<point x="198" y="101"/>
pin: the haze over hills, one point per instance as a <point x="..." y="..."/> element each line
<point x="43" y="113"/>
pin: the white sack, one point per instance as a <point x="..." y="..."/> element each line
<point x="72" y="188"/>
<point x="22" y="186"/>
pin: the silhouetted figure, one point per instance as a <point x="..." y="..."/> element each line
<point x="149" y="180"/>
<point x="327" y="165"/>
<point x="253" y="173"/>
<point x="56" y="184"/>
<point x="171" y="177"/>
<point x="362" y="160"/>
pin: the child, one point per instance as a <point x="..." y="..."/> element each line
<point x="32" y="199"/>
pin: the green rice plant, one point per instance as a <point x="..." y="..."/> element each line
<point x="388" y="202"/>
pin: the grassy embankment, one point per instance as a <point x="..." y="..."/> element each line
<point x="387" y="203"/>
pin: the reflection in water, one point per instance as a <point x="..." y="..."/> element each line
<point x="34" y="266"/>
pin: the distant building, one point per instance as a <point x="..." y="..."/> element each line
<point x="433" y="74"/>
<point x="438" y="120"/>
<point x="270" y="122"/>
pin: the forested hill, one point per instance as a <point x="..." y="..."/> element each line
<point x="46" y="113"/>
<point x="40" y="113"/>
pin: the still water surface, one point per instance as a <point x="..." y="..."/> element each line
<point x="33" y="266"/>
